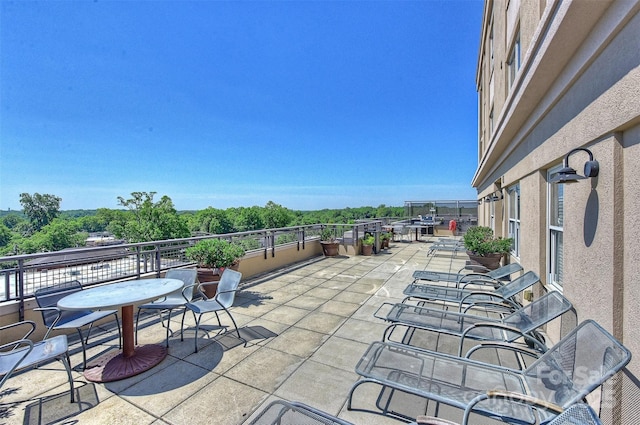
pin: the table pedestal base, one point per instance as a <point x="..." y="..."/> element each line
<point x="114" y="366"/>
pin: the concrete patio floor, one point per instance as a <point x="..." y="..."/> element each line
<point x="306" y="327"/>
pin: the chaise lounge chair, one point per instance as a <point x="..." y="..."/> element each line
<point x="491" y="277"/>
<point x="578" y="364"/>
<point x="461" y="296"/>
<point x="522" y="323"/>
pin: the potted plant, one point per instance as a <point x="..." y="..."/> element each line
<point x="483" y="248"/>
<point x="367" y="244"/>
<point x="330" y="244"/>
<point x="385" y="237"/>
<point x="212" y="257"/>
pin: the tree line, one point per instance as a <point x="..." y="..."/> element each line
<point x="42" y="227"/>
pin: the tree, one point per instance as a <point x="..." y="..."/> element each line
<point x="211" y="220"/>
<point x="5" y="235"/>
<point x="40" y="209"/>
<point x="151" y="221"/>
<point x="247" y="219"/>
<point x="275" y="215"/>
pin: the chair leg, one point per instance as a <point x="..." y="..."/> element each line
<point x="168" y="326"/>
<point x="137" y="319"/>
<point x="84" y="351"/>
<point x="195" y="339"/>
<point x="67" y="365"/>
<point x="234" y="324"/>
<point x="120" y="330"/>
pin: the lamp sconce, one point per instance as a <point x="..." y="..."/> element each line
<point x="568" y="175"/>
<point x="480" y="201"/>
<point x="496" y="196"/>
<point x="487" y="199"/>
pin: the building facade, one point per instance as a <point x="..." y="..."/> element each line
<point x="554" y="76"/>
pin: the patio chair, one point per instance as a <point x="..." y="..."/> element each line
<point x="451" y="245"/>
<point x="223" y="300"/>
<point x="24" y="353"/>
<point x="522" y="323"/>
<point x="578" y="364"/>
<point x="485" y="277"/>
<point x="576" y="414"/>
<point x="174" y="300"/>
<point x="282" y="412"/>
<point x="460" y="296"/>
<point x="56" y="319"/>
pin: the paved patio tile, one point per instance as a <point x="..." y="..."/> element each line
<point x="321" y="322"/>
<point x="306" y="302"/>
<point x="223" y="401"/>
<point x="340" y="353"/>
<point x="297" y="341"/>
<point x="267" y="368"/>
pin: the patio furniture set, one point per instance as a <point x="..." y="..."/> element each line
<point x="70" y="306"/>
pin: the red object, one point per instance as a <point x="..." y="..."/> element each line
<point x="453" y="225"/>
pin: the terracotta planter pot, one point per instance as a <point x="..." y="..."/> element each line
<point x="206" y="275"/>
<point x="330" y="249"/>
<point x="367" y="249"/>
<point x="490" y="261"/>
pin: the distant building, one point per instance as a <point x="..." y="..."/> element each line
<point x="554" y="76"/>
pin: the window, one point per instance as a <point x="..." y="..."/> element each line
<point x="555" y="226"/>
<point x="491" y="121"/>
<point x="513" y="196"/>
<point x="513" y="63"/>
<point x="491" y="44"/>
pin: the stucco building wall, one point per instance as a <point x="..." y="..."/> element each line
<point x="577" y="86"/>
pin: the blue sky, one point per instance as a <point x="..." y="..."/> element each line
<point x="309" y="104"/>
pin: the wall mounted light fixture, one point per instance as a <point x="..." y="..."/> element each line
<point x="568" y="175"/>
<point x="497" y="195"/>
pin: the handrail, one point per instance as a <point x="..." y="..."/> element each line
<point x="22" y="274"/>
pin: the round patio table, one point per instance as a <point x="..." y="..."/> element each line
<point x="133" y="359"/>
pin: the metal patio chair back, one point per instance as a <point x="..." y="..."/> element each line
<point x="57" y="319"/>
<point x="175" y="300"/>
<point x="577" y="365"/>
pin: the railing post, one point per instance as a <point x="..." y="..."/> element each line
<point x="158" y="265"/>
<point x="138" y="262"/>
<point x="21" y="289"/>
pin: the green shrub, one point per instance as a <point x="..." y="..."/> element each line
<point x="480" y="241"/>
<point x="215" y="253"/>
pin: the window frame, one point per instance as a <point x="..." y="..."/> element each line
<point x="555" y="232"/>
<point x="514" y="61"/>
<point x="513" y="214"/>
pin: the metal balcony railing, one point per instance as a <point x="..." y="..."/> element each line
<point x="22" y="275"/>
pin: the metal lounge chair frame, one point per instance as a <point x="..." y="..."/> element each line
<point x="522" y="323"/>
<point x="444" y="245"/>
<point x="57" y="319"/>
<point x="564" y="375"/>
<point x="223" y="300"/>
<point x="172" y="301"/>
<point x="491" y="277"/>
<point x="282" y="412"/>
<point x="579" y="413"/>
<point x="24" y="353"/>
<point x="461" y="296"/>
